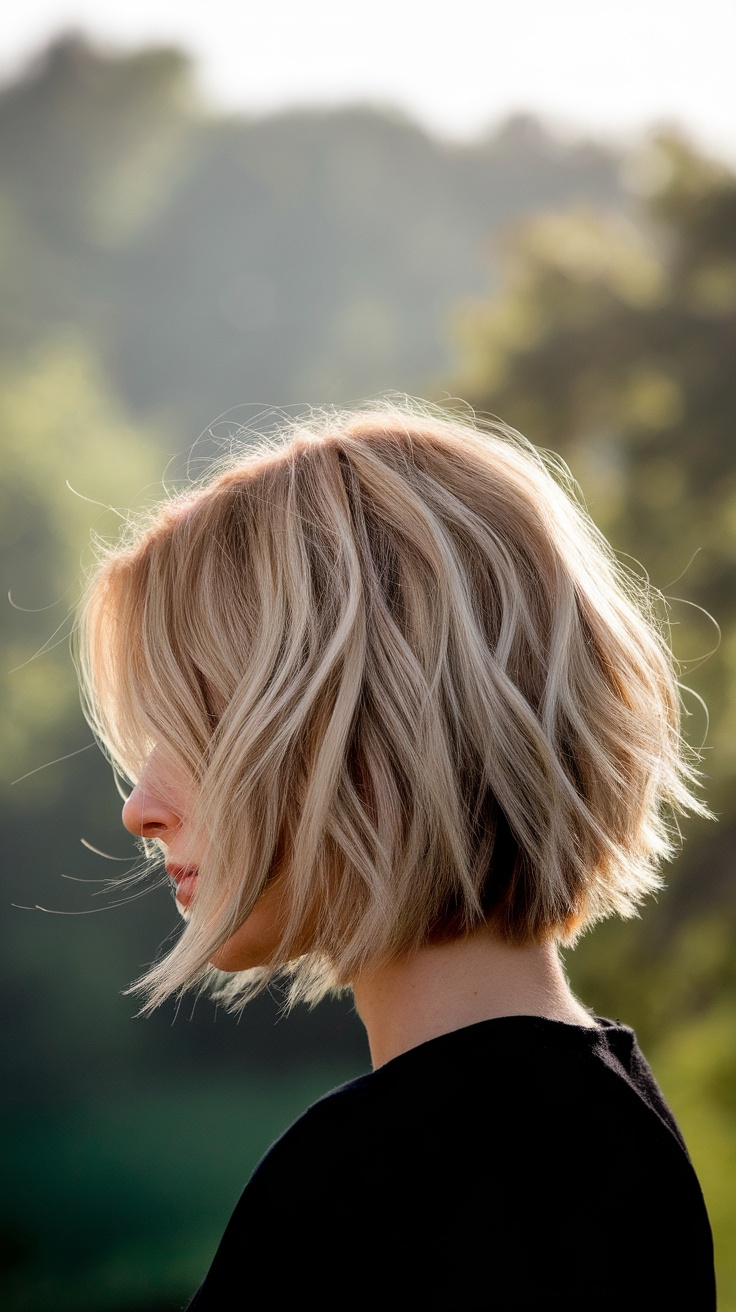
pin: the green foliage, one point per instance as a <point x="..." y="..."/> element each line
<point x="220" y="262"/>
<point x="616" y="349"/>
<point x="67" y="459"/>
<point x="87" y="142"/>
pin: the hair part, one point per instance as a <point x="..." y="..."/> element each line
<point x="410" y="680"/>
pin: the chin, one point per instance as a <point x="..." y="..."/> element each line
<point x="233" y="962"/>
<point x="255" y="942"/>
<point x="244" y="950"/>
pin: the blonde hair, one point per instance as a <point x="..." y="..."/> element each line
<point x="411" y="681"/>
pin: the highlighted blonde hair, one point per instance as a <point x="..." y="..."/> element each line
<point x="411" y="682"/>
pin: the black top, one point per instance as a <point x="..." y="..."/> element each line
<point x="519" y="1163"/>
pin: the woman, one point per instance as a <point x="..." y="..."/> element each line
<point x="401" y="724"/>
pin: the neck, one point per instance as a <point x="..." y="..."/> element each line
<point x="446" y="986"/>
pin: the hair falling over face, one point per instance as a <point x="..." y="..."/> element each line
<point x="414" y="688"/>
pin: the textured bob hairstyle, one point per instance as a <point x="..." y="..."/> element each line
<point x="409" y="680"/>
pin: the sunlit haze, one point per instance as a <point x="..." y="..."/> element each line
<point x="606" y="69"/>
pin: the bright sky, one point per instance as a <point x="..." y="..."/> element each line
<point x="457" y="66"/>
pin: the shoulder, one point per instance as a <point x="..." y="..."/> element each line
<point x="542" y="1081"/>
<point x="510" y="1135"/>
<point x="328" y="1141"/>
<point x="520" y="1090"/>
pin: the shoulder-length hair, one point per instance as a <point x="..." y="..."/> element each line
<point x="410" y="680"/>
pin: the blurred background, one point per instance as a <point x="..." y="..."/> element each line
<point x="206" y="214"/>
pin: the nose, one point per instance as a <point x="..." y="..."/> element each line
<point x="149" y="816"/>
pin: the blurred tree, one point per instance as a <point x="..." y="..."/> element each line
<point x="59" y="430"/>
<point x="217" y="262"/>
<point x="63" y="444"/>
<point x="316" y="255"/>
<point x="88" y="141"/>
<point x="89" y="149"/>
<point x="615" y="347"/>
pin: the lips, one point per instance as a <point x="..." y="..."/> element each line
<point x="185" y="879"/>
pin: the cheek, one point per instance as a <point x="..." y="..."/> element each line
<point x="256" y="939"/>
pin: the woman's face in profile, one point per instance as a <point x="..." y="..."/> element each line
<point x="160" y="807"/>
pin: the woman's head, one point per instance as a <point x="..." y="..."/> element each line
<point x="410" y="687"/>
